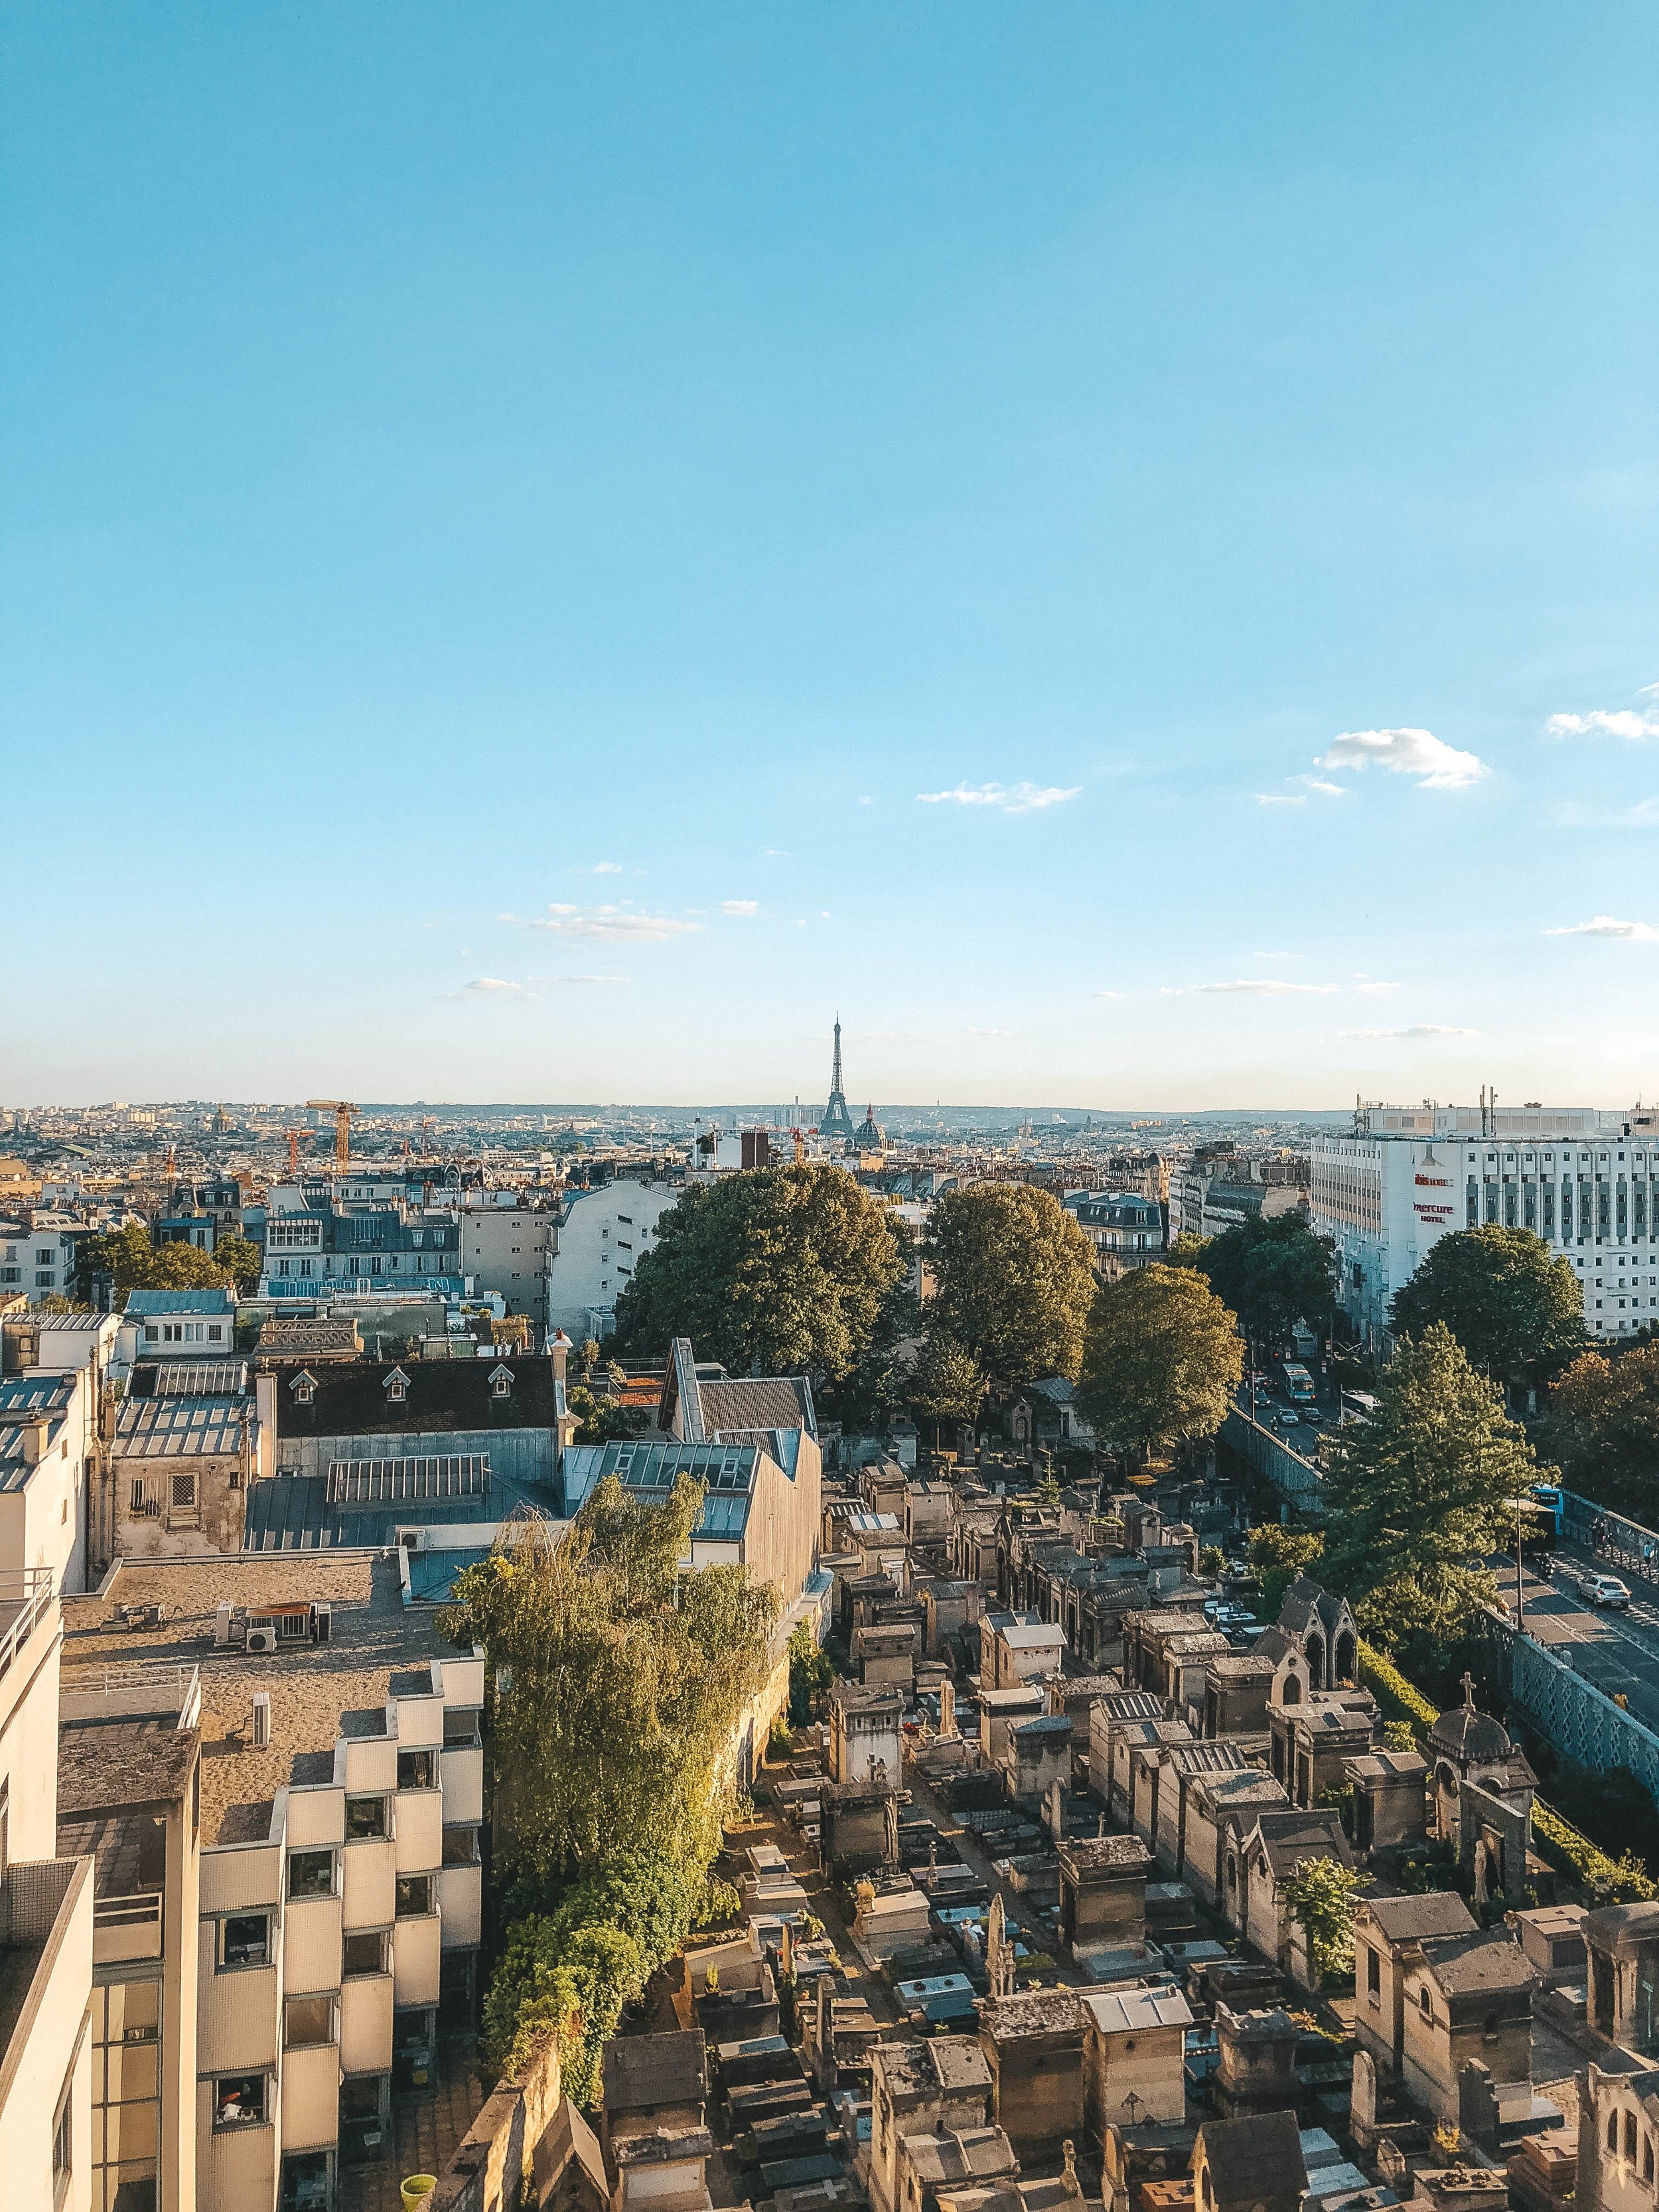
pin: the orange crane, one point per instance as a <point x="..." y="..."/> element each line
<point x="342" y="1113"/>
<point x="293" y="1136"/>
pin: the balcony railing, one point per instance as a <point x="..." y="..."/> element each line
<point x="27" y="1598"/>
<point x="131" y="1690"/>
<point x="127" y="1927"/>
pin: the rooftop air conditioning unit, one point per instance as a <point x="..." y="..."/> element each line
<point x="322" y="1622"/>
<point x="261" y="1716"/>
<point x="262" y="1639"/>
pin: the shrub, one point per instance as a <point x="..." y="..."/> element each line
<point x="781" y="1742"/>
<point x="1396" y="1696"/>
<point x="1606" y="1881"/>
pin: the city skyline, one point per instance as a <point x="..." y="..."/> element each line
<point x="545" y="556"/>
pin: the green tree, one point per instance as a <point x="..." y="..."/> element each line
<point x="125" y="1253"/>
<point x="240" y="1258"/>
<point x="1279" y="1556"/>
<point x="588" y="1358"/>
<point x="1319" y="1893"/>
<point x="1413" y="1495"/>
<point x="809" y="1672"/>
<point x="947" y="1384"/>
<point x="1013" y="1277"/>
<point x="774" y="1270"/>
<point x="626" y="1678"/>
<point x="1513" y="1304"/>
<point x="1603" y="1426"/>
<point x="1162" y="1359"/>
<point x="185" y="1268"/>
<point x="602" y="1421"/>
<point x="1270" y="1273"/>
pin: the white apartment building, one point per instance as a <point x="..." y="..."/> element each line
<point x="1584" y="1180"/>
<point x="289" y="1881"/>
<point x="602" y="1238"/>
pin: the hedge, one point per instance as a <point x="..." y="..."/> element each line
<point x="1606" y="1881"/>
<point x="1397" y="1697"/>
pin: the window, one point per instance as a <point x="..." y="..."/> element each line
<point x="1630" y="2138"/>
<point x="239" y="2100"/>
<point x="152" y="1333"/>
<point x="1613" y="2132"/>
<point x="363" y="1954"/>
<point x="183" y="1493"/>
<point x="1426" y="2002"/>
<point x="244" y="1940"/>
<point x="416" y="1770"/>
<point x="364" y="1817"/>
<point x="308" y="2021"/>
<point x="460" y="1847"/>
<point x="1373" y="1976"/>
<point x="62" y="2140"/>
<point x="306" y="2183"/>
<point x="414" y="1895"/>
<point x="311" y="1873"/>
<point x="460" y="1729"/>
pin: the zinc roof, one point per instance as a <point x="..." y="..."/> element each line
<point x="179" y="1428"/>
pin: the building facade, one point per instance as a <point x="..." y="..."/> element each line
<point x="1125" y="1231"/>
<point x="1585" y="1180"/>
<point x="509" y="1241"/>
<point x="600" y="1239"/>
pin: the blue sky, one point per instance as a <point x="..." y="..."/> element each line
<point x="547" y="549"/>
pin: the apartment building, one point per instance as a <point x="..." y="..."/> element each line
<point x="1125" y="1231"/>
<point x="284" y="1794"/>
<point x="508" y="1242"/>
<point x="602" y="1238"/>
<point x="1585" y="1180"/>
<point x="51" y="1408"/>
<point x="47" y="2057"/>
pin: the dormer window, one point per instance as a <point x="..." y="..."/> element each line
<point x="304" y="1388"/>
<point x="397" y="1387"/>
<point x="501" y="1383"/>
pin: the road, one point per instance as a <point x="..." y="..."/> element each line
<point x="1618" y="1651"/>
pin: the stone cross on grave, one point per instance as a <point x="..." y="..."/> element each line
<point x="890" y="1809"/>
<point x="1468" y="1689"/>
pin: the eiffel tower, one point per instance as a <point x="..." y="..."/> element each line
<point x="836" y="1120"/>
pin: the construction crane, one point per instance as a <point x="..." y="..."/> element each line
<point x="293" y="1136"/>
<point x="342" y="1113"/>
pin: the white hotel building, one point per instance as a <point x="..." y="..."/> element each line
<point x="1585" y="1180"/>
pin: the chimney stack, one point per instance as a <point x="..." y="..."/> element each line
<point x="36" y="1437"/>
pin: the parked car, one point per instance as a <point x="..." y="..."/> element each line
<point x="1603" y="1590"/>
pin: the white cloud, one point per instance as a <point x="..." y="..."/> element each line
<point x="1281" y="798"/>
<point x="1266" y="986"/>
<point x="1417" y="1029"/>
<point x="739" y="906"/>
<point x="1107" y="995"/>
<point x="606" y="868"/>
<point x="1623" y="723"/>
<point x="1317" y="783"/>
<point x="1437" y="765"/>
<point x="621" y="924"/>
<point x="1603" y="925"/>
<point x="489" y="987"/>
<point x="974" y="1032"/>
<point x="1016" y="798"/>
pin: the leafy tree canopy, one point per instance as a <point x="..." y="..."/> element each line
<point x="774" y="1270"/>
<point x="1270" y="1273"/>
<point x="1278" y="1557"/>
<point x="1603" y="1425"/>
<point x="1014" y="1279"/>
<point x="1415" y="1494"/>
<point x="947" y="1384"/>
<point x="128" y="1255"/>
<point x="1511" y="1303"/>
<point x="626" y="1678"/>
<point x="240" y="1258"/>
<point x="1320" y="1895"/>
<point x="602" y="1421"/>
<point x="1162" y="1359"/>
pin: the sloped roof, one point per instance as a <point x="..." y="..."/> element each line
<point x="150" y="1305"/>
<point x="1249" y="2159"/>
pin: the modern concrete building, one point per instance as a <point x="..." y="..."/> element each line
<point x="289" y="1915"/>
<point x="1585" y="1180"/>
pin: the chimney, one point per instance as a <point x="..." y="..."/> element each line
<point x="36" y="1437"/>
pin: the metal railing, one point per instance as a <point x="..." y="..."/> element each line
<point x="27" y="1598"/>
<point x="131" y="1687"/>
